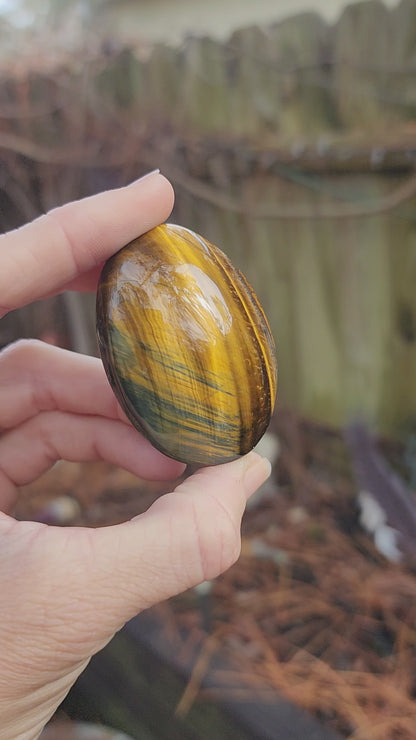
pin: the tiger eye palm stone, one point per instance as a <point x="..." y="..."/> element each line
<point x="186" y="346"/>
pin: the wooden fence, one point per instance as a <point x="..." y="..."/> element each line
<point x="293" y="148"/>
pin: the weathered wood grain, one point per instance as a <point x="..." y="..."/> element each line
<point x="291" y="147"/>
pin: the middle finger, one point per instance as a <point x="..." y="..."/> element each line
<point x="36" y="377"/>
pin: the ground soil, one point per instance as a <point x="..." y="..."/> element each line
<point x="311" y="608"/>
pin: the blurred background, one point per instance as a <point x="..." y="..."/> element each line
<point x="288" y="130"/>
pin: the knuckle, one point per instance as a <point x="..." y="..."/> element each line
<point x="219" y="540"/>
<point x="22" y="352"/>
<point x="24" y="367"/>
<point x="230" y="540"/>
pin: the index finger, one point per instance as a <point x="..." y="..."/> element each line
<point x="43" y="257"/>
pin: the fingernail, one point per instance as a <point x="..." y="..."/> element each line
<point x="144" y="177"/>
<point x="257" y="470"/>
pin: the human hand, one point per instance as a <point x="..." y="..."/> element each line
<point x="65" y="592"/>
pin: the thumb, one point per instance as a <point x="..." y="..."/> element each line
<point x="186" y="537"/>
<point x="83" y="584"/>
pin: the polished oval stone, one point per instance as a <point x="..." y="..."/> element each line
<point x="186" y="346"/>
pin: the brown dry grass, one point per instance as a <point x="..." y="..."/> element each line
<point x="321" y="616"/>
<point x="332" y="625"/>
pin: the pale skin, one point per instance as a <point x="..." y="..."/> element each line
<point x="64" y="592"/>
